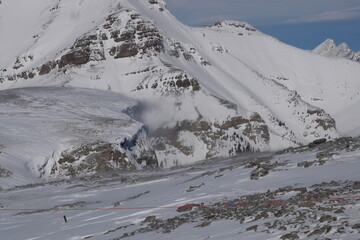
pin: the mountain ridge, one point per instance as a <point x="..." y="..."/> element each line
<point x="329" y="49"/>
<point x="203" y="92"/>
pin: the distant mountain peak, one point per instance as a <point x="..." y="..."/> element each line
<point x="329" y="49"/>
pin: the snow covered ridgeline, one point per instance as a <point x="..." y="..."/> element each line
<point x="329" y="49"/>
<point x="60" y="132"/>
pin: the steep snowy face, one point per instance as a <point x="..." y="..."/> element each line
<point x="329" y="49"/>
<point x="202" y="92"/>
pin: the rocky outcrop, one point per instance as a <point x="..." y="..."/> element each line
<point x="4" y="173"/>
<point x="124" y="51"/>
<point x="229" y="137"/>
<point x="86" y="48"/>
<point x="172" y="82"/>
<point x="103" y="157"/>
<point x="91" y="158"/>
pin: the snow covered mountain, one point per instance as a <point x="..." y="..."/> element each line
<point x="329" y="49"/>
<point x="201" y="93"/>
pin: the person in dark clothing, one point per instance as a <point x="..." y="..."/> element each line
<point x="65" y="219"/>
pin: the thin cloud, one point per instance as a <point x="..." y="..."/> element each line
<point x="328" y="16"/>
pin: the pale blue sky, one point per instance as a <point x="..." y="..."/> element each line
<point x="302" y="23"/>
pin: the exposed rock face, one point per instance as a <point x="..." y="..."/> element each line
<point x="323" y="119"/>
<point x="236" y="135"/>
<point x="103" y="157"/>
<point x="172" y="82"/>
<point x="124" y="51"/>
<point x="92" y="158"/>
<point x="75" y="58"/>
<point x="45" y="69"/>
<point x="86" y="48"/>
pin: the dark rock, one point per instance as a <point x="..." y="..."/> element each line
<point x="187" y="207"/>
<point x="104" y="36"/>
<point x="283" y="228"/>
<point x="115" y="34"/>
<point x="356" y="185"/>
<point x="258" y="173"/>
<point x="153" y="44"/>
<point x="75" y="58"/>
<point x="305" y="164"/>
<point x="4" y="173"/>
<point x="183" y="83"/>
<point x="150" y="219"/>
<point x="204" y="224"/>
<point x="356" y="226"/>
<point x="327" y="218"/>
<point x="31" y="74"/>
<point x="252" y="228"/>
<point x="290" y="236"/>
<point x="125" y="50"/>
<point x="340" y="210"/>
<point x="317" y="142"/>
<point x="127" y="36"/>
<point x="195" y="85"/>
<point x="92" y="37"/>
<point x="262" y="215"/>
<point x="45" y="69"/>
<point x="322" y="230"/>
<point x="23" y="75"/>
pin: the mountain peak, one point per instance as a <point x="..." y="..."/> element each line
<point x="325" y="47"/>
<point x="329" y="41"/>
<point x="329" y="49"/>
